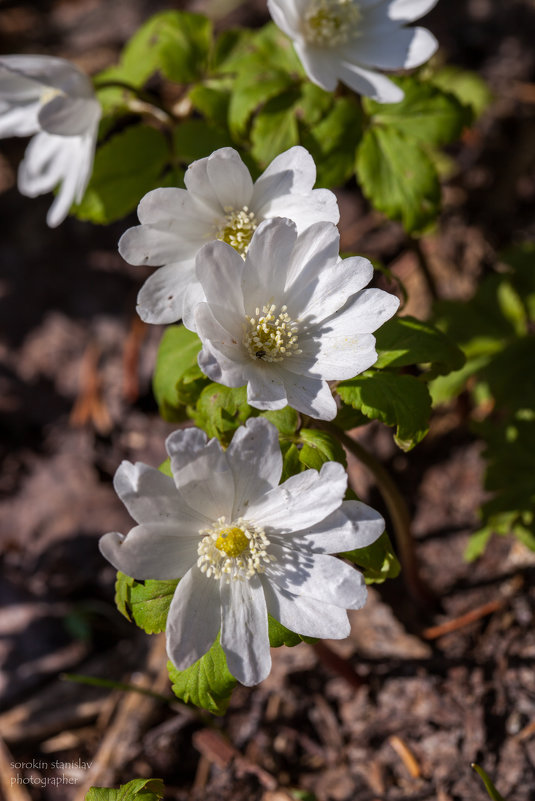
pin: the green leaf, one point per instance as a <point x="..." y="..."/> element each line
<point x="213" y="103"/>
<point x="397" y="400"/>
<point x="468" y="87"/>
<point x="221" y="410"/>
<point x="320" y="447"/>
<point x="291" y="464"/>
<point x="176" y="43"/>
<point x="123" y="585"/>
<point x="477" y="543"/>
<point x="333" y="140"/>
<point x="146" y="602"/>
<point x="398" y="177"/>
<point x="313" y="104"/>
<point x="194" y="139"/>
<point x="136" y="790"/>
<point x="274" y="128"/>
<point x="378" y="560"/>
<point x="426" y="114"/>
<point x="207" y="684"/>
<point x="177" y="379"/>
<point x="405" y="340"/>
<point x="286" y="420"/>
<point x="489" y="787"/>
<point x="279" y="635"/>
<point x="150" y="601"/>
<point x="249" y="92"/>
<point x="127" y="166"/>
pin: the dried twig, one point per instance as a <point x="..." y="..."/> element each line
<point x="222" y="753"/>
<point x="433" y="632"/>
<point x="405" y="754"/>
<point x="89" y="406"/>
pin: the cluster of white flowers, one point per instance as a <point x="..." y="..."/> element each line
<point x="51" y="98"/>
<point x="254" y="269"/>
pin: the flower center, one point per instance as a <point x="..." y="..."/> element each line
<point x="329" y="23"/>
<point x="238" y="228"/>
<point x="236" y="551"/>
<point x="271" y="337"/>
<point x="48" y="94"/>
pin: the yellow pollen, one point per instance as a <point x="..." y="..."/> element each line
<point x="232" y="541"/>
<point x="271" y="337"/>
<point x="238" y="228"/>
<point x="329" y="23"/>
<point x="48" y="94"/>
<point x="233" y="552"/>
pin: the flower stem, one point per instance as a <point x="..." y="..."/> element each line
<point x="431" y="284"/>
<point x="144" y="103"/>
<point x="397" y="509"/>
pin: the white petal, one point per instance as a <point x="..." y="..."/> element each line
<point x="151" y="497"/>
<point x="172" y="209"/>
<point x="193" y="295"/>
<point x="194" y="619"/>
<point x="305" y="616"/>
<point x="210" y="324"/>
<point x="265" y="390"/>
<point x="255" y="459"/>
<point x="409" y="10"/>
<point x="244" y="630"/>
<point x="353" y="525"/>
<point x="161" y="298"/>
<point x="36" y="72"/>
<point x="334" y="356"/>
<point x="320" y="205"/>
<point x="201" y="472"/>
<point x="78" y="159"/>
<point x="219" y="269"/>
<point x="369" y="83"/>
<point x="18" y="120"/>
<point x="310" y="395"/>
<point x="45" y="162"/>
<point x="230" y="179"/>
<point x="402" y="48"/>
<point x="320" y="65"/>
<point x="218" y="367"/>
<point x="290" y="173"/>
<point x="155" y="245"/>
<point x="286" y="15"/>
<point x="319" y="576"/>
<point x="365" y="313"/>
<point x="303" y="499"/>
<point x="198" y="184"/>
<point x="267" y="261"/>
<point x="151" y="551"/>
<point x="69" y="116"/>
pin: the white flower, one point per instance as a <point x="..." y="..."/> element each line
<point x="241" y="545"/>
<point x="291" y="317"/>
<point x="51" y="98"/>
<point x="221" y="202"/>
<point x="346" y="40"/>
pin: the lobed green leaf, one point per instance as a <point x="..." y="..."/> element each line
<point x="319" y="447"/>
<point x="404" y="341"/>
<point x="177" y="379"/>
<point x="378" y="561"/>
<point x="207" y="684"/>
<point x="136" y="790"/>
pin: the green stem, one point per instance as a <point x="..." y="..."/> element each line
<point x="147" y="101"/>
<point x="95" y="681"/>
<point x="397" y="509"/>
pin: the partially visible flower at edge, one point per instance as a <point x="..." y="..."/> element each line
<point x="241" y="545"/>
<point x="51" y="98"/>
<point x="348" y="40"/>
<point x="220" y="202"/>
<point x="289" y="319"/>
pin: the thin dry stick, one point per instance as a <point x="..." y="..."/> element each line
<point x="463" y="620"/>
<point x="398" y="511"/>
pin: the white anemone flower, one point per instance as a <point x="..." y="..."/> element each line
<point x="241" y="545"/>
<point x="220" y="202"/>
<point x="289" y="319"/>
<point x="51" y="98"/>
<point x="348" y="40"/>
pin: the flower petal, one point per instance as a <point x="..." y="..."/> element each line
<point x="265" y="389"/>
<point x="219" y="269"/>
<point x="161" y="298"/>
<point x="267" y="262"/>
<point x="18" y="120"/>
<point x="403" y="48"/>
<point x="305" y="616"/>
<point x="255" y="459"/>
<point x="69" y="116"/>
<point x="319" y="576"/>
<point x="286" y="15"/>
<point x="244" y="630"/>
<point x="302" y="500"/>
<point x="353" y="525"/>
<point x="333" y="355"/>
<point x="151" y="551"/>
<point x="369" y="83"/>
<point x="409" y="10"/>
<point x="290" y="173"/>
<point x="309" y="394"/>
<point x="230" y="179"/>
<point x="320" y="65"/>
<point x="319" y="205"/>
<point x="194" y="619"/>
<point x="151" y="497"/>
<point x="201" y="473"/>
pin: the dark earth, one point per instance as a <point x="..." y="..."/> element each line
<point x="398" y="710"/>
